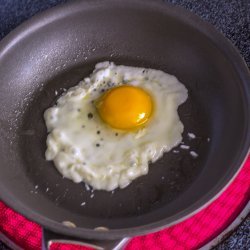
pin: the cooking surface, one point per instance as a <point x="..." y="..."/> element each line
<point x="234" y="34"/>
<point x="190" y="234"/>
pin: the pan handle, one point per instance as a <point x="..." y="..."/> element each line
<point x="49" y="238"/>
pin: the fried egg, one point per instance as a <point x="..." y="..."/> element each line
<point x="107" y="129"/>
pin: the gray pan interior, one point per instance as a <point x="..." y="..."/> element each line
<point x="58" y="48"/>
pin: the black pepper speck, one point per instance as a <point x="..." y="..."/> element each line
<point x="97" y="145"/>
<point x="90" y="115"/>
<point x="98" y="132"/>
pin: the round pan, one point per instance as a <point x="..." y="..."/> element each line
<point x="58" y="48"/>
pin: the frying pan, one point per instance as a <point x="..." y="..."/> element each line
<point x="58" y="48"/>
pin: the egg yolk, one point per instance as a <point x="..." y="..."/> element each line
<point x="125" y="107"/>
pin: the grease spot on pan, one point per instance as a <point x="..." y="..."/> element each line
<point x="69" y="224"/>
<point x="102" y="229"/>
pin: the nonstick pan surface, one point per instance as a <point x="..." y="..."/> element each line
<point x="58" y="48"/>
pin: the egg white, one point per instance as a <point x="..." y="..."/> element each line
<point x="84" y="148"/>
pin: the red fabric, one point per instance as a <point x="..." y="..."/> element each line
<point x="189" y="234"/>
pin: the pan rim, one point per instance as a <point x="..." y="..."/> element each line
<point x="210" y="32"/>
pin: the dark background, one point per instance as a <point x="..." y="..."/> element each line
<point x="231" y="17"/>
